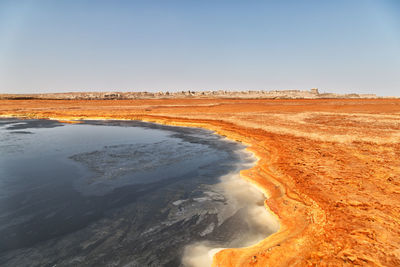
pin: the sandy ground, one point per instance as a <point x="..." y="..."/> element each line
<point x="330" y="167"/>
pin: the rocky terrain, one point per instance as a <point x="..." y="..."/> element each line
<point x="277" y="94"/>
<point x="331" y="169"/>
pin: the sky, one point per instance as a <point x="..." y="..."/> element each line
<point x="342" y="46"/>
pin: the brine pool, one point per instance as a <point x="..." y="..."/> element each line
<point x="123" y="193"/>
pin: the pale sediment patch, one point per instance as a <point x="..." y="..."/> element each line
<point x="241" y="196"/>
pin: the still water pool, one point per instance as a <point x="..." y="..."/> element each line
<point x="115" y="193"/>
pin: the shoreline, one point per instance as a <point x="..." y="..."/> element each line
<point x="244" y="174"/>
<point x="229" y="180"/>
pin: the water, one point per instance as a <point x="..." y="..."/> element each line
<point x="117" y="193"/>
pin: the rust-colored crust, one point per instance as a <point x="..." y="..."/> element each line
<point x="331" y="169"/>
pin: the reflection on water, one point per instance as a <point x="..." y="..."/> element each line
<point x="116" y="193"/>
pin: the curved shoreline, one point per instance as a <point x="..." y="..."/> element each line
<point x="228" y="180"/>
<point x="244" y="256"/>
<point x="280" y="202"/>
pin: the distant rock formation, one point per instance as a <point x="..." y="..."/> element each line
<point x="255" y="94"/>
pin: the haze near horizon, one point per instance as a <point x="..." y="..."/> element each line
<point x="63" y="46"/>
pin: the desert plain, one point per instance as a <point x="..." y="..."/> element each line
<point x="330" y="168"/>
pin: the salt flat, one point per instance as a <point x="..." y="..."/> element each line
<point x="331" y="168"/>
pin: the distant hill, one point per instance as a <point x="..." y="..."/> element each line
<point x="277" y="94"/>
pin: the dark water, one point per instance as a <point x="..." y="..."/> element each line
<point x="113" y="193"/>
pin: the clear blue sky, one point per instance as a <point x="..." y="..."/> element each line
<point x="338" y="46"/>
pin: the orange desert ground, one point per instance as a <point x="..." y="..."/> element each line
<point x="330" y="168"/>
